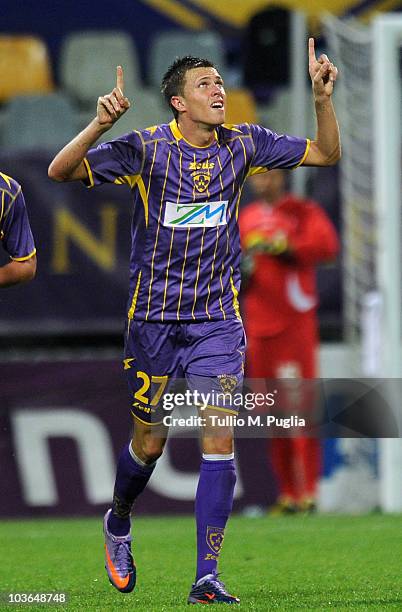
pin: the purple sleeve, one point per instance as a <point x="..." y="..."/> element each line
<point x="114" y="161"/>
<point x="16" y="232"/>
<point x="277" y="151"/>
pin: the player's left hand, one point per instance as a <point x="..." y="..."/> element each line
<point x="323" y="73"/>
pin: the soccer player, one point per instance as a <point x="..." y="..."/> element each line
<point x="15" y="234"/>
<point x="284" y="238"/>
<point x="183" y="317"/>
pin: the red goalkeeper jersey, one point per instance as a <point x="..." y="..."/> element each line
<point x="282" y="288"/>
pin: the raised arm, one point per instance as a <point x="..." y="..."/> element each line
<point x="68" y="164"/>
<point x="325" y="149"/>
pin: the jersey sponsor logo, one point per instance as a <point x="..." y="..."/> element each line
<point x="206" y="214"/>
<point x="207" y="165"/>
<point x="215" y="538"/>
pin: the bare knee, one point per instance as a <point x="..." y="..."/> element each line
<point x="146" y="445"/>
<point x="217" y="445"/>
<point x="150" y="449"/>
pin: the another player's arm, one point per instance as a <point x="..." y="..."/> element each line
<point x="16" y="237"/>
<point x="325" y="149"/>
<point x="68" y="165"/>
<point x="16" y="272"/>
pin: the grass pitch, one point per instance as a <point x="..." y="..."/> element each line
<point x="291" y="563"/>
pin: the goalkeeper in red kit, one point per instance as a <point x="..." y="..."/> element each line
<point x="283" y="238"/>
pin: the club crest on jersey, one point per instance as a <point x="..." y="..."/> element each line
<point x="205" y="214"/>
<point x="201" y="182"/>
<point x="201" y="174"/>
<point x="228" y="382"/>
<point x="215" y="538"/>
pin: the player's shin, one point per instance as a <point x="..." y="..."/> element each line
<point x="131" y="479"/>
<point x="213" y="504"/>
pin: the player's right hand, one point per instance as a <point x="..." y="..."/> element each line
<point x="112" y="106"/>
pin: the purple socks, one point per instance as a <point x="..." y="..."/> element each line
<point x="131" y="479"/>
<point x="213" y="504"/>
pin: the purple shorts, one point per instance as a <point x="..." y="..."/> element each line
<point x="207" y="356"/>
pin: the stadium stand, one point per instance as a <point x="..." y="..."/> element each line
<point x="147" y="109"/>
<point x="38" y="122"/>
<point x="24" y="66"/>
<point x="276" y="113"/>
<point x="175" y="43"/>
<point x="266" y="51"/>
<point x="241" y="106"/>
<point x="88" y="61"/>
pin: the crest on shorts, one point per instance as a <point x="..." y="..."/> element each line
<point x="228" y="382"/>
<point x="215" y="538"/>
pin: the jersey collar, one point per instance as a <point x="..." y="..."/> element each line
<point x="174" y="128"/>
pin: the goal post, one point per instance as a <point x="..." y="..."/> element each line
<point x="387" y="42"/>
<point x="350" y="48"/>
<point x="369" y="97"/>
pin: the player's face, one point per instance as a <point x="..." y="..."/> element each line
<point x="204" y="96"/>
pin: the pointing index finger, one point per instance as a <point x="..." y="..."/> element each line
<point x="311" y="51"/>
<point x="120" y="79"/>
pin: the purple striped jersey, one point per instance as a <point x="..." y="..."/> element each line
<point x="15" y="231"/>
<point x="185" y="252"/>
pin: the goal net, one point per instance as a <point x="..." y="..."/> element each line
<point x="350" y="47"/>
<point x="368" y="101"/>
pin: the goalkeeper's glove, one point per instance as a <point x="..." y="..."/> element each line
<point x="275" y="245"/>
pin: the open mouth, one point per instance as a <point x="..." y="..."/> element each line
<point x="218" y="105"/>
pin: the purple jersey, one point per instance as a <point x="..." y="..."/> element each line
<point x="15" y="231"/>
<point x="185" y="240"/>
